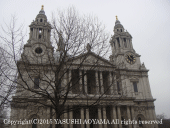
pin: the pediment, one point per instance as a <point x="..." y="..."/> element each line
<point x="91" y="59"/>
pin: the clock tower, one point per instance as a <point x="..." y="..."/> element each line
<point x="123" y="53"/>
<point x="38" y="49"/>
<point x="131" y="76"/>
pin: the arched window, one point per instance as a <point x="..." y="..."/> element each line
<point x="40" y="20"/>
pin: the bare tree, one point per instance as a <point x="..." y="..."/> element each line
<point x="11" y="39"/>
<point x="52" y="80"/>
<point x="69" y="72"/>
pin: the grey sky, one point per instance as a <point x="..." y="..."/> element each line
<point x="148" y="21"/>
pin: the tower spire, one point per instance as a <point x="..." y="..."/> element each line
<point x="116" y="17"/>
<point x="42" y="7"/>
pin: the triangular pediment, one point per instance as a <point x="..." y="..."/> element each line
<point x="91" y="58"/>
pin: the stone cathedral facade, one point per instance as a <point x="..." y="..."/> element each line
<point x="129" y="98"/>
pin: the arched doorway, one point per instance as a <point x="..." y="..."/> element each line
<point x="140" y="118"/>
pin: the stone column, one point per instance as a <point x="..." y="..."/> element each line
<point x="34" y="34"/>
<point x="48" y="117"/>
<point x="110" y="83"/>
<point x="14" y="115"/>
<point x="53" y="117"/>
<point x="122" y="85"/>
<point x="119" y="116"/>
<point x="21" y="116"/>
<point x="82" y="117"/>
<point x="85" y="82"/>
<point x="87" y="118"/>
<point x="80" y="81"/>
<point x="104" y="115"/>
<point x="115" y="86"/>
<point x="65" y="117"/>
<point x="129" y="116"/>
<point x="64" y="83"/>
<point x="131" y="46"/>
<point x="71" y="117"/>
<point x="99" y="116"/>
<point x="121" y="43"/>
<point x="69" y="80"/>
<point x="113" y="116"/>
<point x="37" y="32"/>
<point x="97" y="83"/>
<point x="101" y="82"/>
<point x="132" y="114"/>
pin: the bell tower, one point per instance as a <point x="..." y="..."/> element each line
<point x="38" y="48"/>
<point x="123" y="53"/>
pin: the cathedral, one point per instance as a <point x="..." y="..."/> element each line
<point x="115" y="92"/>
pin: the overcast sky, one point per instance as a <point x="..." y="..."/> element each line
<point x="148" y="21"/>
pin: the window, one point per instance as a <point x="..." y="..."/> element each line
<point x="38" y="50"/>
<point x="114" y="44"/>
<point x="125" y="43"/>
<point x="40" y="30"/>
<point x="118" y="42"/>
<point x="91" y="82"/>
<point x="40" y="20"/>
<point x="75" y="81"/>
<point x="39" y="36"/>
<point x="118" y="87"/>
<point x="135" y="86"/>
<point x="36" y="83"/>
<point x="106" y="82"/>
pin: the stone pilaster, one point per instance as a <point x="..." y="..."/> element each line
<point x="110" y="83"/>
<point x="97" y="83"/>
<point x="129" y="116"/>
<point x="87" y="118"/>
<point x="82" y="117"/>
<point x="119" y="116"/>
<point x="48" y="116"/>
<point x="69" y="80"/>
<point x="115" y="86"/>
<point x="113" y="116"/>
<point x="64" y="83"/>
<point x="101" y="82"/>
<point x="132" y="114"/>
<point x="65" y="117"/>
<point x="21" y="114"/>
<point x="104" y="115"/>
<point x="80" y="81"/>
<point x="53" y="117"/>
<point x="85" y="81"/>
<point x="99" y="116"/>
<point x="71" y="117"/>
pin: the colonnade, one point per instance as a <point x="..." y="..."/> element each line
<point x="115" y="116"/>
<point x="99" y="85"/>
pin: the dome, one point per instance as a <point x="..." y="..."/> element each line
<point x="41" y="14"/>
<point x="118" y="24"/>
